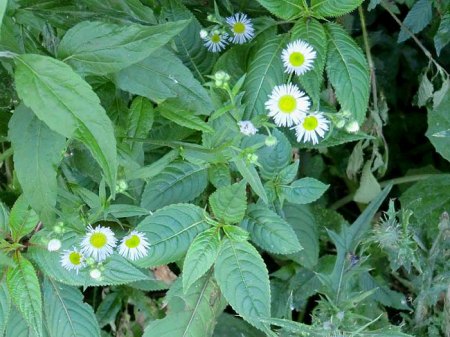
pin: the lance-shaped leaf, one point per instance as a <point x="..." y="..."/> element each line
<point x="170" y="231"/>
<point x="417" y="19"/>
<point x="334" y="7"/>
<point x="304" y="191"/>
<point x="22" y="219"/>
<point x="285" y="9"/>
<point x="250" y="174"/>
<point x="101" y="48"/>
<point x="229" y="203"/>
<point x="5" y="307"/>
<point x="65" y="312"/>
<point x="68" y="105"/>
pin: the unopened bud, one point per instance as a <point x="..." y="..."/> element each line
<point x="252" y="158"/>
<point x="352" y="127"/>
<point x="54" y="245"/>
<point x="121" y="186"/>
<point x="271" y="141"/>
<point x="95" y="274"/>
<point x="203" y="33"/>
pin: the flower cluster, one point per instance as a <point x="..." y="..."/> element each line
<point x="288" y="105"/>
<point x="237" y="29"/>
<point x="97" y="245"/>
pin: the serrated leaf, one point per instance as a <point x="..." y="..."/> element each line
<point x="22" y="219"/>
<point x="373" y="4"/>
<point x="284" y="9"/>
<point x="229" y="203"/>
<point x="312" y="31"/>
<point x="369" y="187"/>
<point x="5" y="307"/>
<point x="200" y="257"/>
<point x="250" y="174"/>
<point x="442" y="36"/>
<point x="178" y="182"/>
<point x="17" y="326"/>
<point x="170" y="231"/>
<point x="417" y="19"/>
<point x="25" y="292"/>
<point x="140" y="121"/>
<point x="178" y="114"/>
<point x="37" y="154"/>
<point x="304" y="191"/>
<point x="244" y="281"/>
<point x="334" y="8"/>
<point x="219" y="175"/>
<point x="265" y="71"/>
<point x="270" y="231"/>
<point x="65" y="312"/>
<point x="289" y="173"/>
<point x="162" y="75"/>
<point x="425" y="91"/>
<point x="348" y="72"/>
<point x="101" y="48"/>
<point x="69" y="106"/>
<point x="439" y="121"/>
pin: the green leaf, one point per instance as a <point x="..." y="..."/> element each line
<point x="312" y="31"/>
<point x="334" y="8"/>
<point x="152" y="170"/>
<point x="235" y="233"/>
<point x="250" y="174"/>
<point x="170" y="231"/>
<point x="244" y="281"/>
<point x="270" y="231"/>
<point x="175" y="112"/>
<point x="4" y="220"/>
<point x="3" y="6"/>
<point x="67" y="104"/>
<point x="219" y="175"/>
<point x="140" y="121"/>
<point x="25" y="292"/>
<point x="109" y="308"/>
<point x="200" y="257"/>
<point x="417" y="19"/>
<point x="284" y="9"/>
<point x="5" y="307"/>
<point x="425" y="91"/>
<point x="37" y="154"/>
<point x="229" y="325"/>
<point x="101" y="48"/>
<point x="304" y="191"/>
<point x="161" y="76"/>
<point x="229" y="203"/>
<point x="65" y="312"/>
<point x="369" y="187"/>
<point x="17" y="326"/>
<point x="442" y="37"/>
<point x="190" y="314"/>
<point x="438" y="122"/>
<point x="22" y="219"/>
<point x="265" y="71"/>
<point x="178" y="182"/>
<point x="348" y="72"/>
<point x="289" y="173"/>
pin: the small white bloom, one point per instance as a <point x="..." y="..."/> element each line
<point x="98" y="243"/>
<point x="95" y="274"/>
<point x="298" y="57"/>
<point x="216" y="41"/>
<point x="134" y="246"/>
<point x="72" y="260"/>
<point x="313" y="125"/>
<point x="54" y="245"/>
<point x="352" y="127"/>
<point x="203" y="34"/>
<point x="287" y="104"/>
<point x="242" y="28"/>
<point x="247" y="128"/>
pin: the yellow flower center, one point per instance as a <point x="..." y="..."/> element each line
<point x="287" y="104"/>
<point x="98" y="240"/>
<point x="133" y="242"/>
<point x="75" y="258"/>
<point x="238" y="28"/>
<point x="296" y="59"/>
<point x="215" y="38"/>
<point x="310" y="123"/>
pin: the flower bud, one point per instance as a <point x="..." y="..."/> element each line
<point x="203" y="33"/>
<point x="271" y="141"/>
<point x="121" y="186"/>
<point x="95" y="274"/>
<point x="54" y="245"/>
<point x="352" y="127"/>
<point x="252" y="158"/>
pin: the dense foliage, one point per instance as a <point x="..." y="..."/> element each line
<point x="230" y="168"/>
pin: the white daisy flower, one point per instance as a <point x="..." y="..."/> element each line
<point x="242" y="28"/>
<point x="134" y="246"/>
<point x="247" y="128"/>
<point x="72" y="260"/>
<point x="216" y="41"/>
<point x="54" y="245"/>
<point x="98" y="243"/>
<point x="298" y="57"/>
<point x="313" y="125"/>
<point x="287" y="104"/>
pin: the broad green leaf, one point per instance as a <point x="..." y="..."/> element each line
<point x="334" y="8"/>
<point x="65" y="312"/>
<point x="140" y="121"/>
<point x="228" y="203"/>
<point x="369" y="187"/>
<point x="284" y="9"/>
<point x="67" y="104"/>
<point x="25" y="292"/>
<point x="235" y="233"/>
<point x="3" y="6"/>
<point x="192" y="313"/>
<point x="189" y="45"/>
<point x="17" y="326"/>
<point x="348" y="72"/>
<point x="270" y="231"/>
<point x="161" y="76"/>
<point x="337" y="137"/>
<point x="109" y="308"/>
<point x="219" y="175"/>
<point x="5" y="307"/>
<point x="417" y="19"/>
<point x="125" y="210"/>
<point x="130" y="10"/>
<point x="304" y="191"/>
<point x="101" y="48"/>
<point x="265" y="71"/>
<point x="442" y="37"/>
<point x="178" y="182"/>
<point x="250" y="174"/>
<point x="175" y="112"/>
<point x="312" y="31"/>
<point x="438" y="122"/>
<point x="244" y="281"/>
<point x="37" y="154"/>
<point x="200" y="257"/>
<point x="170" y="231"/>
<point x="22" y="219"/>
<point x="289" y="173"/>
<point x="230" y="325"/>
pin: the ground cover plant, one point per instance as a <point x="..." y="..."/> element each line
<point x="230" y="168"/>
